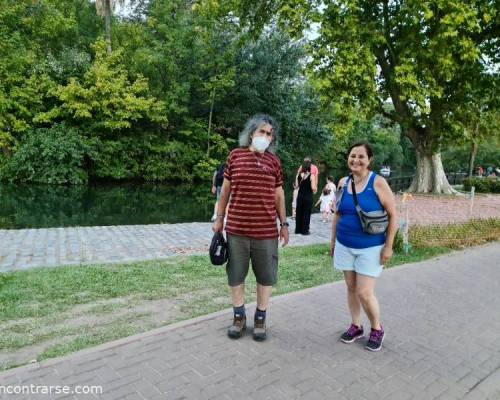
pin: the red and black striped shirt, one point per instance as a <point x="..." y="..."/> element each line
<point x="252" y="207"/>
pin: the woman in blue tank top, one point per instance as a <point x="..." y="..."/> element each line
<point x="360" y="255"/>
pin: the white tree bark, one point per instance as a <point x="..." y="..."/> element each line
<point x="429" y="175"/>
<point x="104" y="9"/>
<point x="472" y="158"/>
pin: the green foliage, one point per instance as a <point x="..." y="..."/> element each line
<point x="107" y="100"/>
<point x="430" y="58"/>
<point x="169" y="161"/>
<point x="168" y="102"/>
<point x="204" y="168"/>
<point x="482" y="184"/>
<point x="422" y="72"/>
<point x="384" y="138"/>
<point x="269" y="78"/>
<point x="456" y="158"/>
<point x="115" y="159"/>
<point x="30" y="33"/>
<point x="55" y="156"/>
<point x="398" y="245"/>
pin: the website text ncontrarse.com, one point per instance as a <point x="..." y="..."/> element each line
<point x="52" y="389"/>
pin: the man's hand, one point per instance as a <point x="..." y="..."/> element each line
<point x="218" y="225"/>
<point x="284" y="235"/>
<point x="214" y="189"/>
<point x="385" y="254"/>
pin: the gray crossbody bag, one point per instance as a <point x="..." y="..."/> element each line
<point x="372" y="222"/>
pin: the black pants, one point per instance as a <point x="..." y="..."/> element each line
<point x="303" y="213"/>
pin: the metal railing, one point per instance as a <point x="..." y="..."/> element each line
<point x="456" y="178"/>
<point x="402" y="183"/>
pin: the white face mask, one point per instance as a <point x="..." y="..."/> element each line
<point x="260" y="143"/>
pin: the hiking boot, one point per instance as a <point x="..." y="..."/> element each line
<point x="259" y="329"/>
<point x="352" y="334"/>
<point x="375" y="341"/>
<point x="238" y="327"/>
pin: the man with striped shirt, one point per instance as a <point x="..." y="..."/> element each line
<point x="253" y="186"/>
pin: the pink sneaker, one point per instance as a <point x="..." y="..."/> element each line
<point x="352" y="334"/>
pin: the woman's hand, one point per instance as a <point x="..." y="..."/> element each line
<point x="385" y="254"/>
<point x="332" y="248"/>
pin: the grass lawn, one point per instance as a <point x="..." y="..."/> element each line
<point x="48" y="312"/>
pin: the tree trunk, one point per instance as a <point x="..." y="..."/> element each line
<point x="472" y="158"/>
<point x="107" y="24"/>
<point x="212" y="101"/>
<point x="429" y="174"/>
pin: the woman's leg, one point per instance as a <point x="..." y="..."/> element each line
<point x="365" y="291"/>
<point x="353" y="303"/>
<point x="299" y="218"/>
<point x="307" y="214"/>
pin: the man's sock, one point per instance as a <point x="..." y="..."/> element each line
<point x="260" y="314"/>
<point x="239" y="311"/>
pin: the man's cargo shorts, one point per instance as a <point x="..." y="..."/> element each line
<point x="262" y="252"/>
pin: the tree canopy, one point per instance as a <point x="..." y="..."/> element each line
<point x="161" y="93"/>
<point x="426" y="57"/>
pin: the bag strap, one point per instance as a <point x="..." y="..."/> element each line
<point x="342" y="189"/>
<point x="359" y="210"/>
<point x="354" y="195"/>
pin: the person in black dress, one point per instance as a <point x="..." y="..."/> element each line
<point x="307" y="187"/>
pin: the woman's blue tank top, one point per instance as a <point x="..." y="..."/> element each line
<point x="349" y="230"/>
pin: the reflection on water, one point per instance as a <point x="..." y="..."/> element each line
<point x="40" y="206"/>
<point x="28" y="206"/>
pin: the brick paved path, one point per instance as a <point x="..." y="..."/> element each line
<point x="443" y="335"/>
<point x="27" y="248"/>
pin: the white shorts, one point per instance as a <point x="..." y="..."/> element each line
<point x="362" y="261"/>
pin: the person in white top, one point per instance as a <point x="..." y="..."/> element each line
<point x="326" y="200"/>
<point x="331" y="186"/>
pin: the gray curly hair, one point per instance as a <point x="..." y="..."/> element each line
<point x="255" y="123"/>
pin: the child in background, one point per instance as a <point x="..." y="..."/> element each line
<point x="330" y="185"/>
<point x="326" y="200"/>
<point x="332" y="188"/>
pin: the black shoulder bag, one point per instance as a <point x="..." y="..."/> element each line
<point x="373" y="222"/>
<point x="218" y="250"/>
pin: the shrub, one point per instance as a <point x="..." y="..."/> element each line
<point x="54" y="155"/>
<point x="173" y="161"/>
<point x="115" y="159"/>
<point x="398" y="242"/>
<point x="482" y="185"/>
<point x="473" y="232"/>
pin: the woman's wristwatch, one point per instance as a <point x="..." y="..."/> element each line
<point x="282" y="224"/>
